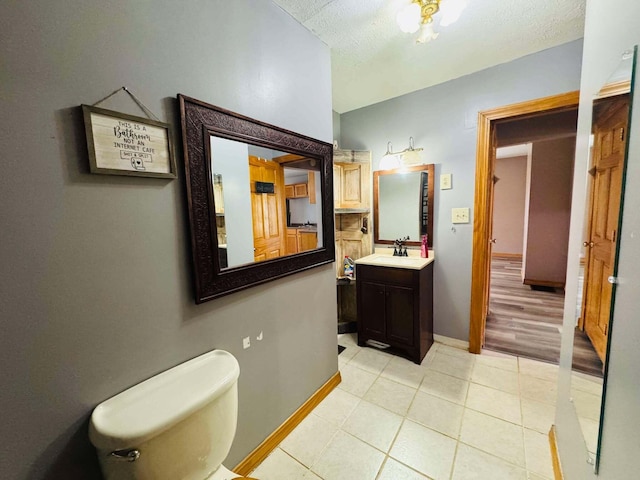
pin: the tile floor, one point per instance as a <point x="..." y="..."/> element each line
<point x="457" y="416"/>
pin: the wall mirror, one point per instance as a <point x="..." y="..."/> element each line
<point x="611" y="118"/>
<point x="403" y="204"/>
<point x="260" y="199"/>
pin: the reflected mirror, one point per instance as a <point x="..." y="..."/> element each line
<point x="403" y="204"/>
<point x="260" y="199"/>
<point x="611" y="118"/>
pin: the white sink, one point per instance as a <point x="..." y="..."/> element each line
<point x="415" y="263"/>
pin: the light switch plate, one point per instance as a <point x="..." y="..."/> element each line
<point x="459" y="215"/>
<point x="445" y="181"/>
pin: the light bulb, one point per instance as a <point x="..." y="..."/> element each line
<point x="389" y="162"/>
<point x="451" y="11"/>
<point x="426" y="33"/>
<point x="409" y="18"/>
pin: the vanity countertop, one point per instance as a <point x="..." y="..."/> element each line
<point x="413" y="262"/>
<point x="312" y="227"/>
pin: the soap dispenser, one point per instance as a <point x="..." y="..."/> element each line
<point x="424" y="249"/>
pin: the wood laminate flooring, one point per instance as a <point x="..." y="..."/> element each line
<point x="528" y="323"/>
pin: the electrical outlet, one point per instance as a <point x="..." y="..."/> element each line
<point x="459" y="215"/>
<point x="246" y="342"/>
<point x="445" y="181"/>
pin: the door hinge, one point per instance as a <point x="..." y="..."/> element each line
<point x="613" y="236"/>
<point x="606" y="329"/>
<point x="622" y="134"/>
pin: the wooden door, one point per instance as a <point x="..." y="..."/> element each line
<point x="337" y="175"/>
<point x="350" y="240"/>
<point x="267" y="210"/>
<point x="490" y="240"/>
<point x="610" y="131"/>
<point x="353" y="189"/>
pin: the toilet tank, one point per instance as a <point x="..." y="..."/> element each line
<point x="178" y="425"/>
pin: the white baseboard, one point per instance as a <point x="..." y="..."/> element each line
<point x="452" y="342"/>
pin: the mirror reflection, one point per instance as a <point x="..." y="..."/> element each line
<point x="610" y="120"/>
<point x="403" y="204"/>
<point x="266" y="202"/>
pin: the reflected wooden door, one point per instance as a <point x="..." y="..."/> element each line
<point x="609" y="130"/>
<point x="267" y="210"/>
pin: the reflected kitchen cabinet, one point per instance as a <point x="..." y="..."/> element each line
<point x="301" y="240"/>
<point x="303" y="190"/>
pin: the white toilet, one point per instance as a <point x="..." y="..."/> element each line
<point x="178" y="425"/>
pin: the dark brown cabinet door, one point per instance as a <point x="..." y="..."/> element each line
<point x="399" y="314"/>
<point x="373" y="310"/>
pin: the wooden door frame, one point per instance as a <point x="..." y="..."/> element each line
<point x="487" y="121"/>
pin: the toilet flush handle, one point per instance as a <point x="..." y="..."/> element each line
<point x="126" y="455"/>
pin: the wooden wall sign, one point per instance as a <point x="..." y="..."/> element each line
<point x="121" y="144"/>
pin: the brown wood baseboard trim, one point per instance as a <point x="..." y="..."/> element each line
<point x="262" y="451"/>
<point x="517" y="256"/>
<point x="555" y="457"/>
<point x="543" y="283"/>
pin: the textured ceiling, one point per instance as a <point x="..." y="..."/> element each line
<point x="372" y="60"/>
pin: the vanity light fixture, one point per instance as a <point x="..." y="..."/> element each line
<point x="418" y="15"/>
<point x="411" y="155"/>
<point x="390" y="159"/>
<point x="408" y="156"/>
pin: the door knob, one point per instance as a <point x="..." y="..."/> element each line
<point x="588" y="244"/>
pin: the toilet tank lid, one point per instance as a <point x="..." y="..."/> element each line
<point x="149" y="408"/>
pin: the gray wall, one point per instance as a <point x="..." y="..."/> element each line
<point x="229" y="159"/>
<point x="611" y="28"/>
<point x="442" y="119"/>
<point x="549" y="210"/>
<point x="508" y="205"/>
<point x="96" y="291"/>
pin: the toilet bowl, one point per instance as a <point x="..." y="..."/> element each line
<point x="178" y="425"/>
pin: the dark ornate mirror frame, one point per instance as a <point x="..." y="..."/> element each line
<point x="425" y="193"/>
<point x="200" y="121"/>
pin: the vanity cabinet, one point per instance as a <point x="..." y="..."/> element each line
<point x="395" y="307"/>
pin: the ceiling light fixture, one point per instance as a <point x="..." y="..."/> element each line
<point x="418" y="15"/>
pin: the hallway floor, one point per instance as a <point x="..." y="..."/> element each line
<point x="528" y="323"/>
<point x="457" y="416"/>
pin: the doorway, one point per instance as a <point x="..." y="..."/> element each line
<point x="532" y="184"/>
<point x="488" y="122"/>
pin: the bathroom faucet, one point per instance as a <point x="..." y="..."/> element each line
<point x="398" y="244"/>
